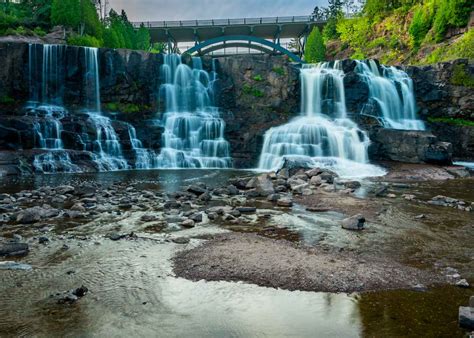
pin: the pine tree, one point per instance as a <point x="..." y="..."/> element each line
<point x="66" y="13"/>
<point x="315" y="50"/>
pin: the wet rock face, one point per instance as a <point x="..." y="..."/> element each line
<point x="410" y="146"/>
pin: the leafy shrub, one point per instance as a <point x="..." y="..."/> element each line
<point x="258" y="78"/>
<point x="5" y="99"/>
<point x="315" y="50"/>
<point x="249" y="90"/>
<point x="460" y="49"/>
<point x="420" y="25"/>
<point x="450" y="13"/>
<point x="461" y="77"/>
<point x="355" y="32"/>
<point x="452" y="121"/>
<point x="86" y="41"/>
<point x="39" y="31"/>
<point x="279" y="70"/>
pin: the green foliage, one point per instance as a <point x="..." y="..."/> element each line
<point x="460" y="49"/>
<point x="420" y="25"/>
<point x="461" y="77"/>
<point x="375" y="8"/>
<point x="90" y="21"/>
<point x="279" y="70"/>
<point x="258" y="78"/>
<point x="158" y="47"/>
<point x="143" y="38"/>
<point x="127" y="108"/>
<point x="39" y="31"/>
<point x="450" y="13"/>
<point x="249" y="90"/>
<point x="66" y="13"/>
<point x="7" y="100"/>
<point x="315" y="50"/>
<point x="85" y="40"/>
<point x="330" y="29"/>
<point x="355" y="32"/>
<point x="452" y="121"/>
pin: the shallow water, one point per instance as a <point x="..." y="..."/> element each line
<point x="133" y="291"/>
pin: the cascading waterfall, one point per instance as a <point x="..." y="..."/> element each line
<point x="392" y="98"/>
<point x="323" y="136"/>
<point x="144" y="158"/>
<point x="106" y="147"/>
<point x="194" y="131"/>
<point x="45" y="107"/>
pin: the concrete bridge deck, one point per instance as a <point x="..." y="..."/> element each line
<point x="202" y="30"/>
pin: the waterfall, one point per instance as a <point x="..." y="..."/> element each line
<point x="106" y="147"/>
<point x="392" y="99"/>
<point x="194" y="131"/>
<point x="323" y="135"/>
<point x="144" y="158"/>
<point x="45" y="107"/>
<point x="91" y="79"/>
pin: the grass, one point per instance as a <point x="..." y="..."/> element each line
<point x="279" y="70"/>
<point x="451" y="121"/>
<point x="249" y="90"/>
<point x="461" y="77"/>
<point x="127" y="108"/>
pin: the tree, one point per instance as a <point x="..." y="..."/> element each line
<point x="143" y="38"/>
<point x="66" y="13"/>
<point x="315" y="50"/>
<point x="90" y="22"/>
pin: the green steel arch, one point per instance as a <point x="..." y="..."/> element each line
<point x="200" y="47"/>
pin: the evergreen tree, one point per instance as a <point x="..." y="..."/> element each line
<point x="143" y="38"/>
<point x="315" y="50"/>
<point x="90" y="21"/>
<point x="66" y="13"/>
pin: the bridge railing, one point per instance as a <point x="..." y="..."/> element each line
<point x="226" y="22"/>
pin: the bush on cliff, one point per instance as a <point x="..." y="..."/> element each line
<point x="315" y="50"/>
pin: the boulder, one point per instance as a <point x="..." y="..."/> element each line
<point x="291" y="166"/>
<point x="285" y="202"/>
<point x="13" y="249"/>
<point x="355" y="222"/>
<point x="466" y="317"/>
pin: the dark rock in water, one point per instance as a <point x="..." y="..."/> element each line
<point x="43" y="240"/>
<point x="13" y="249"/>
<point x="206" y="197"/>
<point x="381" y="192"/>
<point x="189" y="223"/>
<point x="71" y="296"/>
<point x="317" y="209"/>
<point x="197" y="217"/>
<point x="35" y="214"/>
<point x="354" y="223"/>
<point x="291" y="166"/>
<point x="352" y="185"/>
<point x="273" y="197"/>
<point x="247" y="210"/>
<point x="172" y="205"/>
<point x="148" y="218"/>
<point x="116" y="236"/>
<point x="180" y="240"/>
<point x="285" y="202"/>
<point x="81" y="292"/>
<point x="196" y="190"/>
<point x="466" y="317"/>
<point x="439" y="153"/>
<point x="240" y="183"/>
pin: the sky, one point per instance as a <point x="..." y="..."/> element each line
<point x="158" y="10"/>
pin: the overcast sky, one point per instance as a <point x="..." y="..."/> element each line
<point x="149" y="10"/>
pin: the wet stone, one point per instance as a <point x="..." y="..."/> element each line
<point x="246" y="210"/>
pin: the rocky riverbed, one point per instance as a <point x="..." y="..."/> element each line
<point x="281" y="230"/>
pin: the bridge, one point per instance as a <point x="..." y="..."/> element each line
<point x="260" y="34"/>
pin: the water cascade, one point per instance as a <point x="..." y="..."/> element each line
<point x="391" y="91"/>
<point x="106" y="146"/>
<point x="323" y="135"/>
<point x="45" y="106"/>
<point x="144" y="158"/>
<point x="194" y="131"/>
